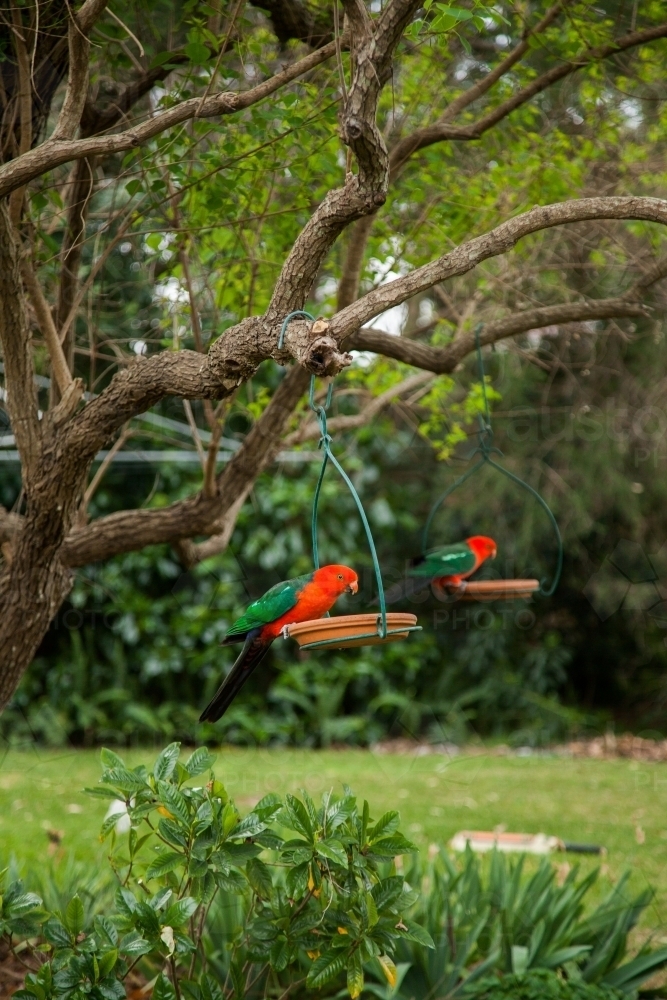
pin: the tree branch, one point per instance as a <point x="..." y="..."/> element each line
<point x="442" y="360"/>
<point x="50" y="154"/>
<point x="498" y="241"/>
<point x="25" y="106"/>
<point x="17" y="349"/>
<point x="69" y="118"/>
<point x="59" y="366"/>
<point x="127" y="530"/>
<point x="442" y="130"/>
<point x="364" y="192"/>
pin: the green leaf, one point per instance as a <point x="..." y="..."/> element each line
<point x="174" y="801"/>
<point x="297" y="880"/>
<point x="332" y="850"/>
<point x="134" y="944"/>
<point x="388" y="891"/>
<point x="631" y="975"/>
<point x="325" y="968"/>
<point x="163" y="989"/>
<point x="259" y="877"/>
<point x="167" y="861"/>
<point x="133" y="187"/>
<point x="297" y="817"/>
<point x="178" y="913"/>
<point x="111" y="759"/>
<point x="111" y="989"/>
<point x="279" y="955"/>
<point x="389" y="847"/>
<point x="387" y="824"/>
<point x="107" y="962"/>
<point x="101" y="793"/>
<point x="355" y="974"/>
<point x="105" y="930"/>
<point x="74" y="916"/>
<point x="457" y="13"/>
<point x="166" y="762"/>
<point x="56" y="933"/>
<point x="124" y="779"/>
<point x="200" y="761"/>
<point x="197" y="53"/>
<point x="416" y="933"/>
<point x="20" y="905"/>
<point x="172" y="832"/>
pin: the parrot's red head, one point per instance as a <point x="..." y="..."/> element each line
<point x="483" y="546"/>
<point x="336" y="579"/>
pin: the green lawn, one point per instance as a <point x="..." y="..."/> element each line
<point x="620" y="804"/>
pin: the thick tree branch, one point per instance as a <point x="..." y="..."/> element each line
<point x="9" y="525"/>
<point x="443" y="360"/>
<point x="17" y="349"/>
<point x="498" y="241"/>
<point x="50" y="154"/>
<point x="127" y="530"/>
<point x="89" y="13"/>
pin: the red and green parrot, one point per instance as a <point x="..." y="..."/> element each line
<point x="297" y="600"/>
<point x="447" y="566"/>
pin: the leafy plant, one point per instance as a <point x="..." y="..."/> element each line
<point x="539" y="984"/>
<point x="312" y="908"/>
<point x="507" y="923"/>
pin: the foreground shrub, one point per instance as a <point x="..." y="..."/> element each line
<point x="316" y="908"/>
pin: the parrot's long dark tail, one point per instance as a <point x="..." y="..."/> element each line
<point x="254" y="650"/>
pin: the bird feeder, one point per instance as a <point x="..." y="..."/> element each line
<point x="344" y="631"/>
<point x="495" y="590"/>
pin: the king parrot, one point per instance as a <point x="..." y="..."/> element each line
<point x="297" y="600"/>
<point x="447" y="566"/>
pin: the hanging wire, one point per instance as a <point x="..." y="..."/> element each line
<point x="325" y="444"/>
<point x="486" y="450"/>
<point x="297" y="312"/>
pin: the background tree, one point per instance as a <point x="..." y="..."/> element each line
<point x="186" y="159"/>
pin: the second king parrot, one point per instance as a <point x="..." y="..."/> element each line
<point x="446" y="566"/>
<point x="297" y="600"/>
<point x="450" y="564"/>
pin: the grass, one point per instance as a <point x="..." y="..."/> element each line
<point x="619" y="804"/>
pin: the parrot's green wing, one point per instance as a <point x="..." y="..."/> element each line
<point x="450" y="559"/>
<point x="275" y="603"/>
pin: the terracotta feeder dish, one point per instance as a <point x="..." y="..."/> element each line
<point x="347" y="631"/>
<point x="494" y="590"/>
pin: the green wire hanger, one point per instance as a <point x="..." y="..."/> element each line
<point x="325" y="444"/>
<point x="486" y="449"/>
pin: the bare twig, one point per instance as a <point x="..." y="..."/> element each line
<point x="59" y="366"/>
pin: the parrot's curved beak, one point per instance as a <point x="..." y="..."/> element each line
<point x="494" y="553"/>
<point x="352" y="588"/>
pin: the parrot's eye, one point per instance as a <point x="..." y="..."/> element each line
<point x="340" y="576"/>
